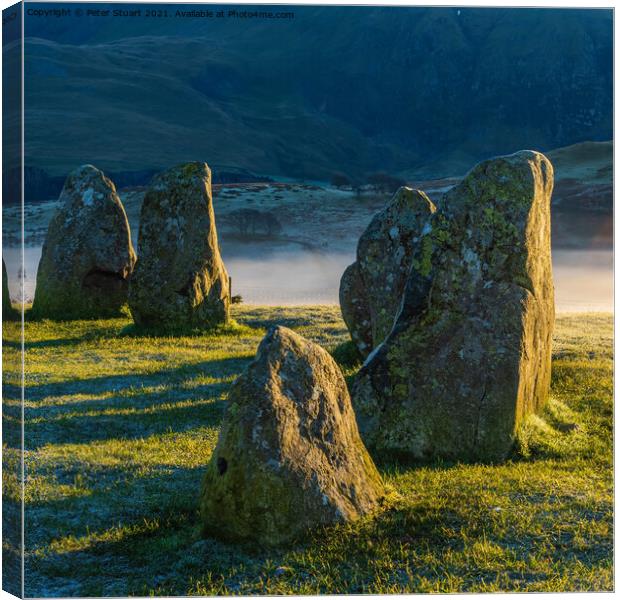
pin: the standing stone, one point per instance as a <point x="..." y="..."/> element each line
<point x="180" y="279"/>
<point x="354" y="308"/>
<point x="289" y="457"/>
<point x="464" y="365"/>
<point x="8" y="312"/>
<point x="371" y="288"/>
<point x="87" y="256"/>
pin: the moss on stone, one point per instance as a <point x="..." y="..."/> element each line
<point x="465" y="365"/>
<point x="289" y="456"/>
<point x="180" y="279"/>
<point x="87" y="256"/>
<point x="371" y="289"/>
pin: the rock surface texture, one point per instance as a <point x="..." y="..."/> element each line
<point x="470" y="354"/>
<point x="180" y="279"/>
<point x="371" y="288"/>
<point x="289" y="457"/>
<point x="8" y="312"/>
<point x="87" y="256"/>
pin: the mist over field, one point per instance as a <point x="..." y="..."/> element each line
<point x="583" y="279"/>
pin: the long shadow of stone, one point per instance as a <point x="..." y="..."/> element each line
<point x="52" y="343"/>
<point x="398" y="462"/>
<point x="140" y="398"/>
<point x="144" y="552"/>
<point x="118" y="497"/>
<point x="220" y="368"/>
<point x="83" y="429"/>
<point x="146" y="509"/>
<point x="74" y="422"/>
<point x="100" y="332"/>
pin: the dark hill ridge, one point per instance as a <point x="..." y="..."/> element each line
<point x="424" y="91"/>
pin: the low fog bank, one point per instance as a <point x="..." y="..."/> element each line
<point x="584" y="280"/>
<point x="282" y="274"/>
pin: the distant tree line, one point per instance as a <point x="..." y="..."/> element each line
<point x="255" y="222"/>
<point x="379" y="182"/>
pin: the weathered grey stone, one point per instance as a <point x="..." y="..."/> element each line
<point x="371" y="289"/>
<point x="355" y="310"/>
<point x="289" y="456"/>
<point x="87" y="256"/>
<point x="8" y="312"/>
<point x="180" y="279"/>
<point x="469" y="359"/>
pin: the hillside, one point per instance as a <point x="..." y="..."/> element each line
<point x="421" y="92"/>
<point x="584" y="177"/>
<point x="588" y="162"/>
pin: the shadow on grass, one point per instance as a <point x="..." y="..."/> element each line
<point x="57" y="342"/>
<point x="83" y="429"/>
<point x="220" y="368"/>
<point x="131" y="330"/>
<point x="101" y="330"/>
<point x="38" y="317"/>
<point x="148" y="419"/>
<point x="121" y="498"/>
<point x="257" y="319"/>
<point x="231" y="329"/>
<point x="158" y="544"/>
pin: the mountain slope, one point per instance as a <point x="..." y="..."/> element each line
<point x="424" y="91"/>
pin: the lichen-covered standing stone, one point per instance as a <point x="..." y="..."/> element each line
<point x="8" y="312"/>
<point x="87" y="256"/>
<point x="371" y="288"/>
<point x="180" y="278"/>
<point x="467" y="362"/>
<point x="289" y="456"/>
<point x="355" y="310"/>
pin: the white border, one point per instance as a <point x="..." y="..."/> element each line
<point x="480" y="3"/>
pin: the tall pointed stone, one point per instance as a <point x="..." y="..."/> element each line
<point x="468" y="361"/>
<point x="180" y="278"/>
<point x="371" y="288"/>
<point x="289" y="456"/>
<point x="87" y="256"/>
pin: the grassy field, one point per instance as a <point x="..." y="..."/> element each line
<point x="119" y="429"/>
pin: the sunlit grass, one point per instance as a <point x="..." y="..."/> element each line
<point x="120" y="426"/>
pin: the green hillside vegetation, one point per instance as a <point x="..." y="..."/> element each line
<point x="351" y="89"/>
<point x="120" y="427"/>
<point x="588" y="162"/>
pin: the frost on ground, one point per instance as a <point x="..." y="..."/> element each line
<point x="120" y="429"/>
